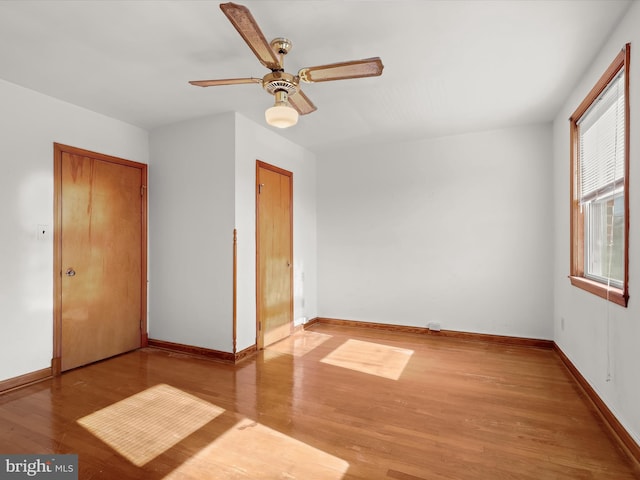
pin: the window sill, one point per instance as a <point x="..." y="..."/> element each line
<point x="615" y="295"/>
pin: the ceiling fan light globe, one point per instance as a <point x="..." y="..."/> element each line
<point x="281" y="116"/>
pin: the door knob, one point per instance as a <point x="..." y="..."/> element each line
<point x="70" y="272"/>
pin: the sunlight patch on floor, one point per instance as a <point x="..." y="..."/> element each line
<point x="250" y="450"/>
<point x="143" y="426"/>
<point x="370" y="358"/>
<point x="299" y="344"/>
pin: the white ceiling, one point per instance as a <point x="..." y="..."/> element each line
<point x="450" y="66"/>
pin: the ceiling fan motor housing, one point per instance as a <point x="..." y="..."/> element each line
<point x="280" y="81"/>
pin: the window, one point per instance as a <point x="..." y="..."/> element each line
<point x="599" y="186"/>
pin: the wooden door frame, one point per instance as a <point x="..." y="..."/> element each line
<point x="58" y="150"/>
<point x="273" y="168"/>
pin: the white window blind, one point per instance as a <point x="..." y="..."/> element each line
<point x="601" y="143"/>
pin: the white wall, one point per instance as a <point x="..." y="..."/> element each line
<point x="598" y="336"/>
<point x="191" y="204"/>
<point x="29" y="124"/>
<point x="257" y="142"/>
<point x="202" y="186"/>
<point x="455" y="230"/>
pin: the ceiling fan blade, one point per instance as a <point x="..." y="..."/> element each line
<point x="224" y="81"/>
<point x="247" y="27"/>
<point x="368" y="67"/>
<point x="301" y="103"/>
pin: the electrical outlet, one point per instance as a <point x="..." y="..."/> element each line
<point x="434" y="326"/>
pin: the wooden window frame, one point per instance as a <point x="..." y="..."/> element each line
<point x="619" y="296"/>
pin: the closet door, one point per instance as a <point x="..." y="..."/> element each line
<point x="274" y="238"/>
<point x="101" y="240"/>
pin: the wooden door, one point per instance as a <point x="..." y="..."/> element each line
<point x="274" y="262"/>
<point x="100" y="239"/>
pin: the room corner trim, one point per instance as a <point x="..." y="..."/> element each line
<point x="24" y="380"/>
<point x="617" y="430"/>
<point x="209" y="353"/>
<point x="246" y="353"/>
<point x="311" y="322"/>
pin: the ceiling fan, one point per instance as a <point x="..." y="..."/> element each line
<point x="290" y="101"/>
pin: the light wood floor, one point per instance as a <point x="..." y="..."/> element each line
<point x="330" y="403"/>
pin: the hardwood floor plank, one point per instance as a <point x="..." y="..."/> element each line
<point x="402" y="475"/>
<point x="458" y="410"/>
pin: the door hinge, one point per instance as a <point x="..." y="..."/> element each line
<point x="259" y="326"/>
<point x="142" y="187"/>
<point x="260" y="185"/>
